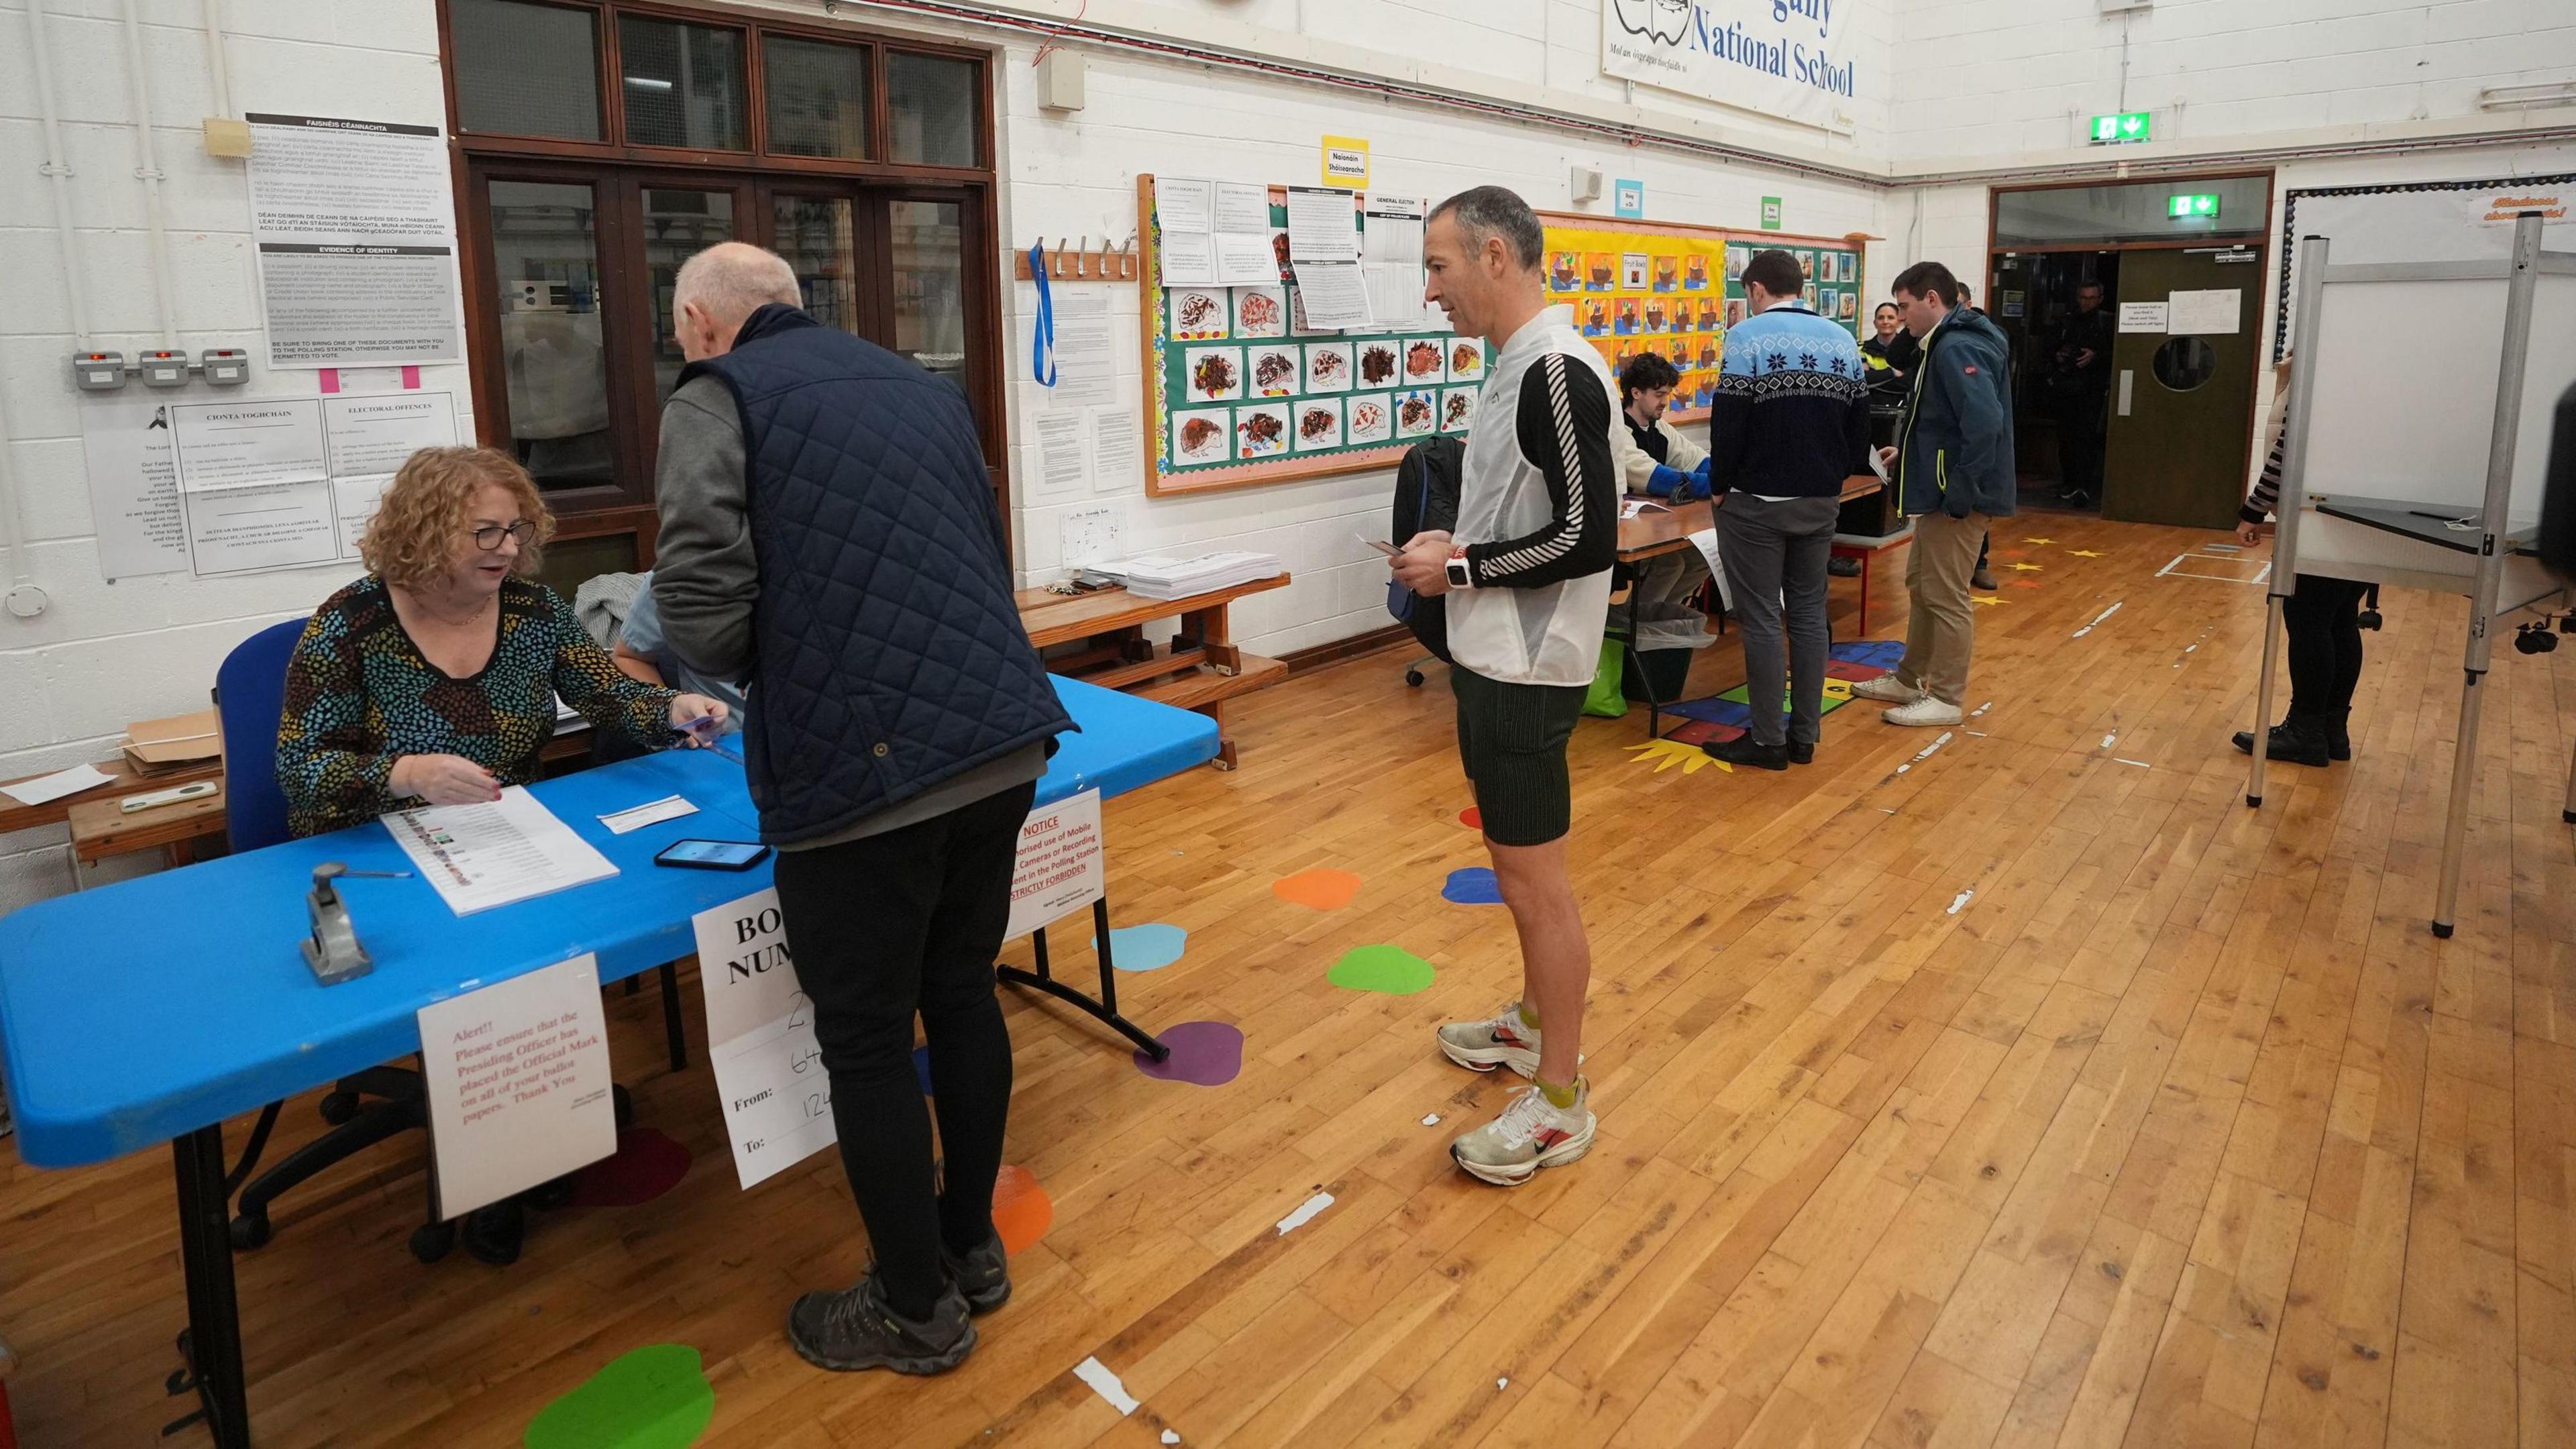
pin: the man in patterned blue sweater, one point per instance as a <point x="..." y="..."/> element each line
<point x="1790" y="423"/>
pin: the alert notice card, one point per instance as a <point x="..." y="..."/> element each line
<point x="518" y="1083"/>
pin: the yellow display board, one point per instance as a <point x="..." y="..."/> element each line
<point x="1639" y="286"/>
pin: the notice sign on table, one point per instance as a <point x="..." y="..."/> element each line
<point x="1061" y="869"/>
<point x="518" y="1083"/>
<point x="760" y="1035"/>
<point x="356" y="231"/>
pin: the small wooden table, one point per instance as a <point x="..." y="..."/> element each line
<point x="1199" y="670"/>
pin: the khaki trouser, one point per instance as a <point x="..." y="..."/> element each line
<point x="1941" y="633"/>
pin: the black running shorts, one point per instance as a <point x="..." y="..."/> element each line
<point x="1511" y="739"/>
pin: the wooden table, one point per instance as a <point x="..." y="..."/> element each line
<point x="1199" y="670"/>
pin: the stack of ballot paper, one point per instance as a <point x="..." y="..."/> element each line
<point x="1162" y="577"/>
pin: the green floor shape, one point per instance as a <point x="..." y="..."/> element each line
<point x="653" y="1398"/>
<point x="1389" y="969"/>
<point x="1832" y="702"/>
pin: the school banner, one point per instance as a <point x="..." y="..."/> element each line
<point x="1787" y="58"/>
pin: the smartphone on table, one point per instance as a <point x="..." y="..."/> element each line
<point x="712" y="854"/>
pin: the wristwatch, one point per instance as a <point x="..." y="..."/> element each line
<point x="1459" y="577"/>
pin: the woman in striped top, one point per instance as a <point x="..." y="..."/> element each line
<point x="2324" y="622"/>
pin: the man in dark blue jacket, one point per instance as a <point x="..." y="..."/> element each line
<point x="829" y="539"/>
<point x="1953" y="474"/>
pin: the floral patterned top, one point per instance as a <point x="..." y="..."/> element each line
<point x="360" y="695"/>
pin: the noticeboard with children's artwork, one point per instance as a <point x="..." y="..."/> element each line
<point x="1638" y="287"/>
<point x="1832" y="268"/>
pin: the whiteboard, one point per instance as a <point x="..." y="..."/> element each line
<point x="2441" y="221"/>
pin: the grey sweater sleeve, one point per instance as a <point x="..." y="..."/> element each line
<point x="704" y="573"/>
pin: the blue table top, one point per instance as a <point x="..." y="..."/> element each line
<point x="143" y="1010"/>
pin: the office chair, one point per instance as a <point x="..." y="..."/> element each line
<point x="366" y="1107"/>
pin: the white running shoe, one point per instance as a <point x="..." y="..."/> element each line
<point x="1504" y="1041"/>
<point x="1532" y="1133"/>
<point x="1926" y="712"/>
<point x="1886" y="689"/>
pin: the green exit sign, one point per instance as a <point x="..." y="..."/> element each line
<point x="2125" y="127"/>
<point x="2192" y="208"/>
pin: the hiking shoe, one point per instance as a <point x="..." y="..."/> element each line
<point x="1532" y="1133"/>
<point x="983" y="1275"/>
<point x="857" y="1329"/>
<point x="1802" y="754"/>
<point x="2294" y="744"/>
<point x="1984" y="579"/>
<point x="1922" y="713"/>
<point x="1886" y="689"/>
<point x="1504" y="1041"/>
<point x="1742" y="750"/>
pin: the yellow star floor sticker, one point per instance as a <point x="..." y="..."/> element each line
<point x="2021" y="568"/>
<point x="2087" y="553"/>
<point x="1668" y="753"/>
<point x="1987" y="599"/>
<point x="2039" y="540"/>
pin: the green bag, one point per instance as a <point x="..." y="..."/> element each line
<point x="1604" y="698"/>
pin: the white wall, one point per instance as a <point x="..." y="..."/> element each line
<point x="1994" y="79"/>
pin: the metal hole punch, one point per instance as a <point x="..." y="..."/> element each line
<point x="332" y="951"/>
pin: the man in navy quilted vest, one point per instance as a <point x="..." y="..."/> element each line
<point x="829" y="540"/>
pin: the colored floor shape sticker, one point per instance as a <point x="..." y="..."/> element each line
<point x="1846" y="669"/>
<point x="1474" y="886"/>
<point x="1146" y="948"/>
<point x="1472" y="818"/>
<point x="1837" y="694"/>
<point x="1701" y="732"/>
<point x="646" y="1165"/>
<point x="1391" y="970"/>
<point x="1885" y="653"/>
<point x="1204" y="1054"/>
<point x="1666" y="753"/>
<point x="1713" y="711"/>
<point x="1022" y="1211"/>
<point x="1322" y="888"/>
<point x="653" y="1398"/>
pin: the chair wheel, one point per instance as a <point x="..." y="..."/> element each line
<point x="339" y="1107"/>
<point x="250" y="1231"/>
<point x="432" y="1241"/>
<point x="1413" y="677"/>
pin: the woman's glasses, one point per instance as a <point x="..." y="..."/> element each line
<point x="488" y="537"/>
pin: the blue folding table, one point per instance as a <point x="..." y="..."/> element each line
<point x="152" y="1010"/>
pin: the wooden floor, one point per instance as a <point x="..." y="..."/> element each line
<point x="2035" y="1092"/>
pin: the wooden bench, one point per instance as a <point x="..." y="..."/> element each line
<point x="1201" y="668"/>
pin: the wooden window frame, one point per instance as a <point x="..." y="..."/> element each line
<point x="617" y="173"/>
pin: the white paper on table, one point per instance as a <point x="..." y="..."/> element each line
<point x="1189" y="259"/>
<point x="2206" y="314"/>
<point x="1064" y="465"/>
<point x="518" y="1083"/>
<point x="1184" y="203"/>
<point x="651" y="812"/>
<point x="482" y="856"/>
<point x="769" y="1074"/>
<point x="1060" y="868"/>
<point x="1706" y="542"/>
<point x="1085" y="361"/>
<point x="44" y="789"/>
<point x="1242" y="206"/>
<point x="372" y="433"/>
<point x="1246" y="260"/>
<point x="2145" y="317"/>
<point x="133" y="487"/>
<point x="248" y="443"/>
<point x="271" y="526"/>
<point x="1319" y="226"/>
<point x="1117" y="450"/>
<point x="1335" y="296"/>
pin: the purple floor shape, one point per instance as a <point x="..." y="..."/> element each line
<point x="1204" y="1054"/>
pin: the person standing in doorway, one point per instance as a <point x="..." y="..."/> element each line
<point x="2079" y="381"/>
<point x="1527" y="574"/>
<point x="1953" y="471"/>
<point x="1791" y="422"/>
<point x="829" y="539"/>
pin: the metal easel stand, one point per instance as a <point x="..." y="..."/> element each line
<point x="1106" y="1008"/>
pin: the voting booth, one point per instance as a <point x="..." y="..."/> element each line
<point x="2418" y="438"/>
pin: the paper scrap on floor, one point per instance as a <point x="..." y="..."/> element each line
<point x="652" y="812"/>
<point x="483" y="856"/>
<point x="45" y="789"/>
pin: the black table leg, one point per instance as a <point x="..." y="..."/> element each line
<point x="1106" y="1008"/>
<point x="210" y="1348"/>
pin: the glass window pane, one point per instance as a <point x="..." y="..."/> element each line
<point x="930" y="287"/>
<point x="526" y="70"/>
<point x="2130" y="211"/>
<point x="933" y="103"/>
<point x="678" y="224"/>
<point x="683" y="84"/>
<point x="817" y="97"/>
<point x="816" y="236"/>
<point x="545" y="259"/>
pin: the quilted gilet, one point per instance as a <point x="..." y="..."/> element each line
<point x="889" y="655"/>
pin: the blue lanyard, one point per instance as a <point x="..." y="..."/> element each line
<point x="1042" y="337"/>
